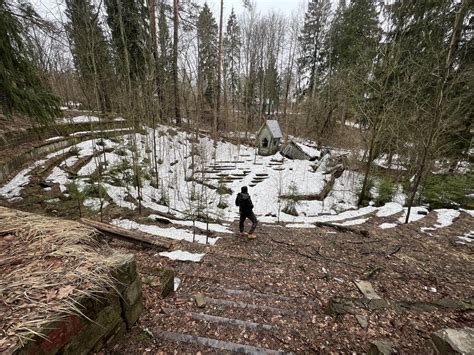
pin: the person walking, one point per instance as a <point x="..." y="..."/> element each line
<point x="245" y="204"/>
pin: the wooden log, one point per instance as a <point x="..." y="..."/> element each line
<point x="362" y="232"/>
<point x="131" y="236"/>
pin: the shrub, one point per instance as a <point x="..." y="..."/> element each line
<point x="446" y="191"/>
<point x="386" y="190"/>
<point x="292" y="200"/>
<point x="223" y="190"/>
<point x="95" y="190"/>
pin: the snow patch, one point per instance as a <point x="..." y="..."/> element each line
<point x="54" y="138"/>
<point x="80" y="119"/>
<point x="300" y="225"/>
<point x="171" y="233"/>
<point x="387" y="225"/>
<point x="414" y="215"/>
<point x="467" y="238"/>
<point x="445" y="219"/>
<point x="389" y="209"/>
<point x="182" y="256"/>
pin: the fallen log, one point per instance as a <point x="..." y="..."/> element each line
<point x="136" y="237"/>
<point x="362" y="232"/>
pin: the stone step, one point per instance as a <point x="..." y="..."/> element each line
<point x="278" y="284"/>
<point x="223" y="320"/>
<point x="243" y="305"/>
<point x="258" y="300"/>
<point x="217" y="344"/>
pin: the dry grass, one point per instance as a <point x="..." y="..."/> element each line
<point x="47" y="265"/>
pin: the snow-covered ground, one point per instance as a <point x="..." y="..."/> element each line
<point x="171" y="233"/>
<point x="192" y="172"/>
<point x="466" y="238"/>
<point x="79" y="119"/>
<point x="445" y="218"/>
<point x="182" y="255"/>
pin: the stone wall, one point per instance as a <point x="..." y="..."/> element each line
<point x="12" y="165"/>
<point x="16" y="138"/>
<point x="104" y="319"/>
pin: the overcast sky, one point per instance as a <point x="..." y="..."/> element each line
<point x="263" y="6"/>
<point x="49" y="8"/>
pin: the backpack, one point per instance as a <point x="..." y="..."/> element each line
<point x="245" y="203"/>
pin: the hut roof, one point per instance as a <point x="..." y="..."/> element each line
<point x="274" y="128"/>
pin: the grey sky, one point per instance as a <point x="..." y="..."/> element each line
<point x="49" y="8"/>
<point x="263" y="6"/>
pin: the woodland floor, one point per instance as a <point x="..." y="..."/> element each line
<point x="272" y="293"/>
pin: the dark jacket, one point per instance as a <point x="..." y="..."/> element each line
<point x="244" y="202"/>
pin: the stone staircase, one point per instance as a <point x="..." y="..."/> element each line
<point x="236" y="314"/>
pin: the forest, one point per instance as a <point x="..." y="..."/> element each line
<point x="141" y="120"/>
<point x="402" y="72"/>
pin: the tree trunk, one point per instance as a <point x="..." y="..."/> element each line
<point x="219" y="72"/>
<point x="367" y="170"/>
<point x="177" y="109"/>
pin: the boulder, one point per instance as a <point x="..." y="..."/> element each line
<point x="381" y="347"/>
<point x="200" y="300"/>
<point x="363" y="321"/>
<point x="339" y="305"/>
<point x="454" y="341"/>
<point x="375" y="301"/>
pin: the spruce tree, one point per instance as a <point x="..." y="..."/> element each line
<point x="207" y="54"/>
<point x="164" y="63"/>
<point x="232" y="48"/>
<point x="428" y="39"/>
<point x="271" y="86"/>
<point x="22" y="88"/>
<point x="355" y="35"/>
<point x="312" y="41"/>
<point x="129" y="25"/>
<point x="90" y="50"/>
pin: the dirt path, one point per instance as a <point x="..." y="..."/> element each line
<point x="272" y="294"/>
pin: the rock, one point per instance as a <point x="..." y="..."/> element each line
<point x="132" y="313"/>
<point x="375" y="301"/>
<point x="454" y="341"/>
<point x="363" y="321"/>
<point x="381" y="347"/>
<point x="133" y="292"/>
<point x="338" y="305"/>
<point x="367" y="290"/>
<point x="378" y="303"/>
<point x="167" y="282"/>
<point x="450" y="303"/>
<point x="200" y="300"/>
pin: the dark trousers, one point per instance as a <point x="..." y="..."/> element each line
<point x="251" y="216"/>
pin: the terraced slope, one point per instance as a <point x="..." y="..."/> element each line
<point x="292" y="290"/>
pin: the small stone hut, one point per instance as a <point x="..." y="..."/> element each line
<point x="269" y="137"/>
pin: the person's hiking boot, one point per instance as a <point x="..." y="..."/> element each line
<point x="243" y="234"/>
<point x="251" y="236"/>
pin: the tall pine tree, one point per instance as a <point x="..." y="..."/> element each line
<point x="207" y="54"/>
<point x="128" y="22"/>
<point x="90" y="50"/>
<point x="22" y="88"/>
<point x="312" y="41"/>
<point x="232" y="48"/>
